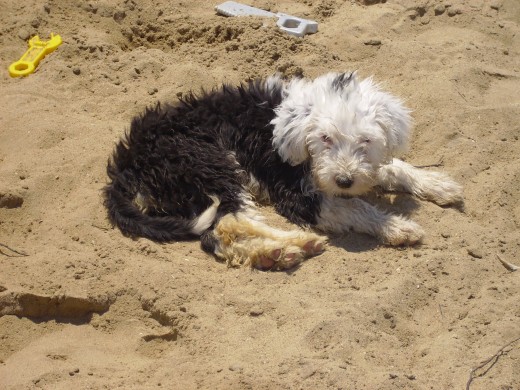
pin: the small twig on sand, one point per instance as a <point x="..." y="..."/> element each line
<point x="440" y="310"/>
<point x="492" y="359"/>
<point x="100" y="227"/>
<point x="436" y="165"/>
<point x="462" y="96"/>
<point x="509" y="266"/>
<point x="12" y="250"/>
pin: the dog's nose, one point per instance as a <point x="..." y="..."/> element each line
<point x="343" y="182"/>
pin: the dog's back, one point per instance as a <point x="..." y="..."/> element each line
<point x="178" y="163"/>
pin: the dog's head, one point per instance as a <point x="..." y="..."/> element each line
<point x="347" y="129"/>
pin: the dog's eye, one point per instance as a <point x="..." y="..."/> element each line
<point x="366" y="141"/>
<point x="326" y="140"/>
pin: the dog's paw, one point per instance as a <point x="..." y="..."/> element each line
<point x="278" y="259"/>
<point x="441" y="189"/>
<point x="310" y="243"/>
<point x="314" y="247"/>
<point x="292" y="256"/>
<point x="450" y="194"/>
<point x="288" y="252"/>
<point x="400" y="231"/>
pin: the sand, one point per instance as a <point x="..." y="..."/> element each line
<point x="87" y="308"/>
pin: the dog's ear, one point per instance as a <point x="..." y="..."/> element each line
<point x="390" y="114"/>
<point x="291" y="126"/>
<point x="394" y="118"/>
<point x="293" y="121"/>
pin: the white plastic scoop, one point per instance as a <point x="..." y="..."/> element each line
<point x="290" y="24"/>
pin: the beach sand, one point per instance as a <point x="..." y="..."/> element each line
<point x="88" y="308"/>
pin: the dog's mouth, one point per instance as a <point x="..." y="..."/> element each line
<point x="358" y="187"/>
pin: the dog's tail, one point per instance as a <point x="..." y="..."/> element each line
<point x="132" y="221"/>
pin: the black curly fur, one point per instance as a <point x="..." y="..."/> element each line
<point x="175" y="156"/>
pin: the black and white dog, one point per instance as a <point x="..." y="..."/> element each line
<point x="308" y="147"/>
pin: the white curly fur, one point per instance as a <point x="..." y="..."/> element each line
<point x="350" y="130"/>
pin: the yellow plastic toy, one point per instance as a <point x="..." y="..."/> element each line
<point x="32" y="57"/>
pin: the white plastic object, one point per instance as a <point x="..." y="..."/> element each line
<point x="288" y="23"/>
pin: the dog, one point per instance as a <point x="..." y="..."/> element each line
<point x="198" y="168"/>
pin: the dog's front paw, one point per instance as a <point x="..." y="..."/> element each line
<point x="400" y="231"/>
<point x="451" y="194"/>
<point x="441" y="189"/>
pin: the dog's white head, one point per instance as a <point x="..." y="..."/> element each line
<point x="345" y="127"/>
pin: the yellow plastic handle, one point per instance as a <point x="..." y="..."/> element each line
<point x="32" y="57"/>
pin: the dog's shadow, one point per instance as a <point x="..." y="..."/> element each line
<point x="354" y="242"/>
<point x="400" y="203"/>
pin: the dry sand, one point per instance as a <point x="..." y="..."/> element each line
<point x="89" y="308"/>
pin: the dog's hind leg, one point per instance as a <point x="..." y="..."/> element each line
<point x="433" y="186"/>
<point x="242" y="240"/>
